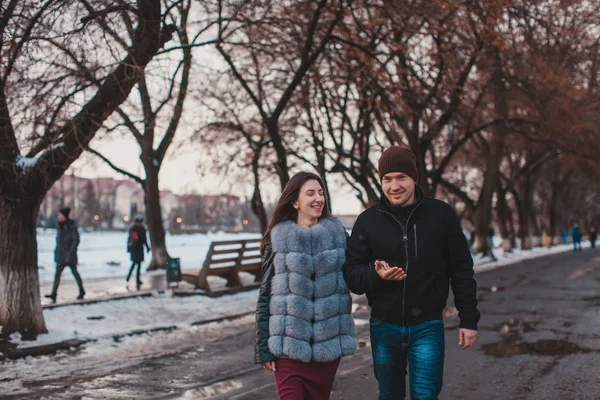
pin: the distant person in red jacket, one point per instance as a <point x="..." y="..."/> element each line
<point x="136" y="240"/>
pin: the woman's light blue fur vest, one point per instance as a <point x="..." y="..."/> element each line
<point x="310" y="306"/>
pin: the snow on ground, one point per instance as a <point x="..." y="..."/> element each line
<point x="105" y="319"/>
<point x="517" y="255"/>
<point x="105" y="355"/>
<point x="97" y="249"/>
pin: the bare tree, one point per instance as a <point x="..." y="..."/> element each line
<point x="269" y="47"/>
<point x="48" y="115"/>
<point x="152" y="118"/>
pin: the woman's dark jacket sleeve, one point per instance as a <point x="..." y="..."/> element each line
<point x="261" y="346"/>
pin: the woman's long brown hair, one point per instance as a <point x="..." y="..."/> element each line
<point x="284" y="210"/>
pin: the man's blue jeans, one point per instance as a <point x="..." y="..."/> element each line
<point x="420" y="347"/>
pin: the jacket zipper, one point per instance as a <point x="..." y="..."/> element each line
<point x="405" y="240"/>
<point x="415" y="237"/>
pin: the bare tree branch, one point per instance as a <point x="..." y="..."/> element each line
<point x="119" y="170"/>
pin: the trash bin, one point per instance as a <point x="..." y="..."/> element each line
<point x="173" y="268"/>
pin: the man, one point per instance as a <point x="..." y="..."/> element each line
<point x="403" y="253"/>
<point x="65" y="254"/>
<point x="577" y="235"/>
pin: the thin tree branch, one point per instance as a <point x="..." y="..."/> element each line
<point x="119" y="170"/>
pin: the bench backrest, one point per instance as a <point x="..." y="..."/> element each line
<point x="243" y="255"/>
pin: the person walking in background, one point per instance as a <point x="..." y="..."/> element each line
<point x="136" y="240"/>
<point x="576" y="234"/>
<point x="65" y="253"/>
<point x="545" y="239"/>
<point x="565" y="236"/>
<point x="593" y="237"/>
<point x="304" y="308"/>
<point x="404" y="252"/>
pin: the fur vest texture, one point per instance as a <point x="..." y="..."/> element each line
<point x="310" y="305"/>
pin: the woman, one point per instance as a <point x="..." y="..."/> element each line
<point x="136" y="240"/>
<point x="304" y="320"/>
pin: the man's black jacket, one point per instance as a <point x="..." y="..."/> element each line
<point x="434" y="253"/>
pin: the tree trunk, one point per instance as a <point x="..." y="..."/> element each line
<point x="154" y="218"/>
<point x="281" y="165"/>
<point x="501" y="207"/>
<point x="258" y="207"/>
<point x="20" y="305"/>
<point x="428" y="190"/>
<point x="483" y="213"/>
<point x="372" y="195"/>
<point x="503" y="219"/>
<point x="552" y="207"/>
<point x="525" y="212"/>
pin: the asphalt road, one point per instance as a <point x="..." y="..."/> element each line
<point x="539" y="340"/>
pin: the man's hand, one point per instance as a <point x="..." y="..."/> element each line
<point x="270" y="365"/>
<point x="466" y="337"/>
<point x="389" y="273"/>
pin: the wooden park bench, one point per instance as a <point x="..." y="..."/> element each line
<point x="226" y="259"/>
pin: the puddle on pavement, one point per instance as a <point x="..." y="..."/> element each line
<point x="592" y="298"/>
<point x="509" y="347"/>
<point x="511" y="343"/>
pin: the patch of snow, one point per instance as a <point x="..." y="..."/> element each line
<point x="97" y="249"/>
<point x="119" y="317"/>
<point x="26" y="162"/>
<point x="517" y="255"/>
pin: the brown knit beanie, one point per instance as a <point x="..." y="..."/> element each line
<point x="398" y="159"/>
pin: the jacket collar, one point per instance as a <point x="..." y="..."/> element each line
<point x="384" y="204"/>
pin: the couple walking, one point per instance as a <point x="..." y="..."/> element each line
<point x="404" y="253"/>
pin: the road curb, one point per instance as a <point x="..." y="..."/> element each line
<point x="43" y="350"/>
<point x="84" y="302"/>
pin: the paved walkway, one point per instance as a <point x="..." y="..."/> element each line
<point x="538" y="341"/>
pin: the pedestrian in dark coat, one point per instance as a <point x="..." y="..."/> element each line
<point x="65" y="254"/>
<point x="405" y="253"/>
<point x="593" y="237"/>
<point x="136" y="240"/>
<point x="576" y="234"/>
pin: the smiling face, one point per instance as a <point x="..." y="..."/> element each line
<point x="311" y="201"/>
<point x="399" y="188"/>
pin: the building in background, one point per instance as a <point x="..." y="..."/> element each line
<point x="106" y="203"/>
